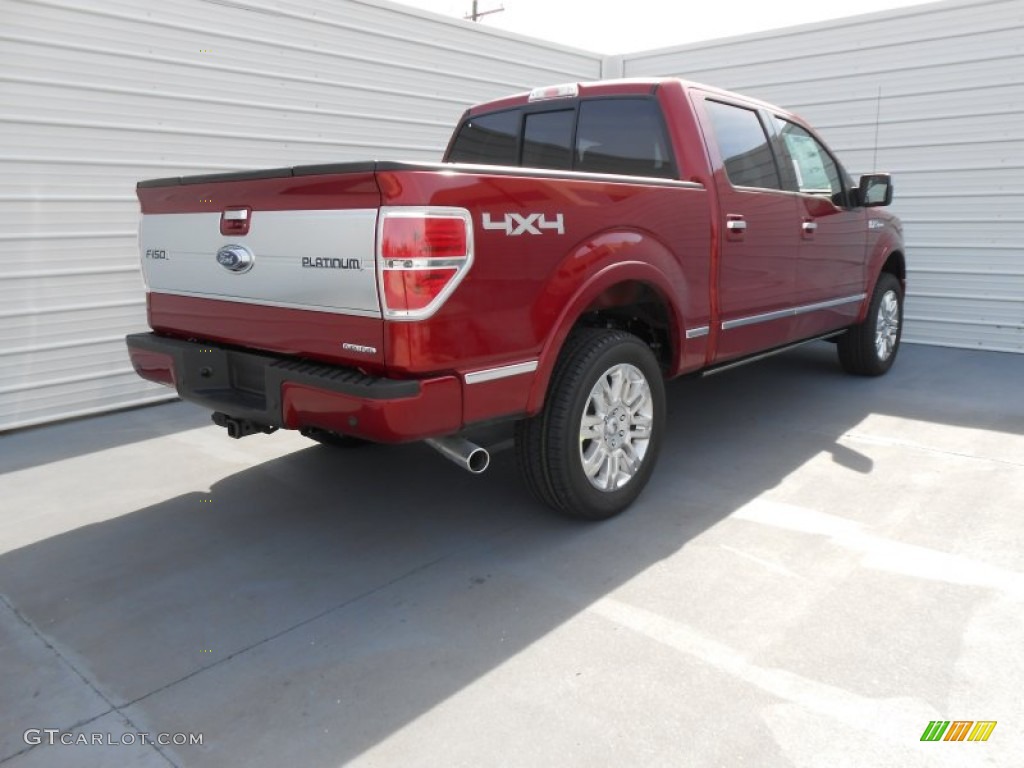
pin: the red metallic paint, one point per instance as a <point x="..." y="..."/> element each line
<point x="436" y="410"/>
<point x="525" y="292"/>
<point x="513" y="299"/>
<point x="832" y="259"/>
<point x="298" y="332"/>
<point x="154" y="366"/>
<point x="686" y="135"/>
<point x="882" y="244"/>
<point x="607" y="88"/>
<point x="495" y="399"/>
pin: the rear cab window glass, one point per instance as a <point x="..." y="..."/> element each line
<point x="744" y="146"/>
<point x="547" y="139"/>
<point x="488" y="139"/>
<point x="618" y="135"/>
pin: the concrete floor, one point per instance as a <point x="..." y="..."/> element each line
<point x="820" y="567"/>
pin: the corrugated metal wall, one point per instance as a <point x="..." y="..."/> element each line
<point x="950" y="128"/>
<point x="96" y="94"/>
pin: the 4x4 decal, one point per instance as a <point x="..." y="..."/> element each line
<point x="515" y="224"/>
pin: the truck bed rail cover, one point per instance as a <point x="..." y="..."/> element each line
<point x="269" y="173"/>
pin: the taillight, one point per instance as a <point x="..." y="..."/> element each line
<point x="422" y="255"/>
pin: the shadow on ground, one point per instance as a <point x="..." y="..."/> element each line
<point x="56" y="442"/>
<point x="313" y="605"/>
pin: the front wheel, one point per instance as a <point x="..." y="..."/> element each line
<point x="592" y="449"/>
<point x="869" y="348"/>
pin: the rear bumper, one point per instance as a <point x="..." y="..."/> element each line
<point x="290" y="393"/>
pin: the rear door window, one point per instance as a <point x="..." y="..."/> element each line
<point x="744" y="146"/>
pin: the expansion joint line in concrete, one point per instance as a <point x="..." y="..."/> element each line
<point x="112" y="708"/>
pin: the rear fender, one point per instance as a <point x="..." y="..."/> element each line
<point x="597" y="265"/>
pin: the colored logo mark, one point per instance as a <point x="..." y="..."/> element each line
<point x="959" y="730"/>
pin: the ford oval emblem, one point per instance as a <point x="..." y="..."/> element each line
<point x="235" y="258"/>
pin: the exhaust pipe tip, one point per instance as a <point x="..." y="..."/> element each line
<point x="470" y="456"/>
<point x="478" y="461"/>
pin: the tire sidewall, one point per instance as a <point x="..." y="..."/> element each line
<point x="886" y="283"/>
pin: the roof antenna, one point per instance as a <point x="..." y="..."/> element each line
<point x="878" y="114"/>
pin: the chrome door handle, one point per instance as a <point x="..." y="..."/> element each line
<point x="810" y="226"/>
<point x="736" y="225"/>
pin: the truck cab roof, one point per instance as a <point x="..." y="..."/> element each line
<point x="619" y="87"/>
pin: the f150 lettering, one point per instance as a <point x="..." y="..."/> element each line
<point x="573" y="251"/>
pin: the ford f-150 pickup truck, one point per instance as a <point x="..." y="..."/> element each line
<point x="578" y="245"/>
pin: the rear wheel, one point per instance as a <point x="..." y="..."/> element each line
<point x="592" y="449"/>
<point x="869" y="348"/>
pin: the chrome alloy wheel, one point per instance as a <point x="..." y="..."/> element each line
<point x="887" y="325"/>
<point x="616" y="427"/>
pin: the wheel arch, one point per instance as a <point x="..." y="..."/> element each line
<point x="631" y="295"/>
<point x="896" y="264"/>
<point x="887" y="259"/>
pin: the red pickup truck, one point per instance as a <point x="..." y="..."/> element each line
<point x="578" y="246"/>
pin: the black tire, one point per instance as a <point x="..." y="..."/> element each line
<point x="333" y="439"/>
<point x="551" y="451"/>
<point x="869" y="348"/>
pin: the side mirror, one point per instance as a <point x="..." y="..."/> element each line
<point x="875" y="190"/>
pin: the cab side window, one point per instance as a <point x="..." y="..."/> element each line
<point x="816" y="172"/>
<point x="625" y="136"/>
<point x="744" y="146"/>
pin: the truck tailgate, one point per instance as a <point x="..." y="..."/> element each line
<point x="281" y="261"/>
<point x="320" y="260"/>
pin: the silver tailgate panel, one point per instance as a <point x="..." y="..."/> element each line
<point x="279" y="240"/>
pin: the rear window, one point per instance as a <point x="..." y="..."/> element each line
<point x="547" y="139"/>
<point x="616" y="135"/>
<point x="489" y="139"/>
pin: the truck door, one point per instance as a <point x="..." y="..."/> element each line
<point x="759" y="233"/>
<point x="830" y="275"/>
